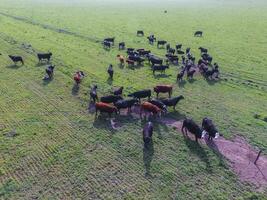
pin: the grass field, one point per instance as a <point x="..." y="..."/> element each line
<point x="60" y="150"/>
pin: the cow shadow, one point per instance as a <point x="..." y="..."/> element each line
<point x="196" y="149"/>
<point x="121" y="66"/>
<point x="91" y="107"/>
<point x="75" y="90"/>
<point x="181" y="84"/>
<point x="109" y="81"/>
<point x="40" y="64"/>
<point x="46" y="81"/>
<point x="191" y="80"/>
<point x="158" y="76"/>
<point x="14" y="66"/>
<point x="212" y="81"/>
<point x="103" y="122"/>
<point x="148" y="154"/>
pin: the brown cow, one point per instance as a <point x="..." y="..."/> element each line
<point x="163" y="89"/>
<point x="149" y="107"/>
<point x="106" y="108"/>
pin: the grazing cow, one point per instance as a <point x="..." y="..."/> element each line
<point x="180" y="75"/>
<point x="160" y="68"/>
<point x="171" y="51"/>
<point x="161" y="43"/>
<point x="172" y="101"/>
<point x="198" y="34"/>
<point x="130" y="50"/>
<point x="110" y="40"/>
<point x="93" y="94"/>
<point x="209" y="73"/>
<point x="44" y="56"/>
<point x="121" y="45"/>
<point x="163" y="89"/>
<point x="192" y="127"/>
<point x="191" y="73"/>
<point x="144" y="53"/>
<point x="180" y="52"/>
<point x="128" y="103"/>
<point x="107" y="44"/>
<point x="16" y="59"/>
<point x="110" y="71"/>
<point x="159" y="104"/>
<point x="147" y="133"/>
<point x="141" y="94"/>
<point x="121" y="59"/>
<point x="151" y="108"/>
<point x="49" y="72"/>
<point x="155" y="60"/>
<point x="118" y="91"/>
<point x="207" y="57"/>
<point x="178" y="46"/>
<point x="78" y="77"/>
<point x="137" y="59"/>
<point x="209" y="127"/>
<point x="203" y="68"/>
<point x="168" y="46"/>
<point x="183" y="60"/>
<point x="110" y="99"/>
<point x="140" y="33"/>
<point x="130" y="62"/>
<point x="151" y="39"/>
<point x="105" y="108"/>
<point x="203" y="50"/>
<point x="172" y="58"/>
<point x="187" y="51"/>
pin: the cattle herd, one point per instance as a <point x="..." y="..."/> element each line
<point x="113" y="103"/>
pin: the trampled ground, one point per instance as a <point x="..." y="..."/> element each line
<point x="51" y="147"/>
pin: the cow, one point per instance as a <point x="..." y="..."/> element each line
<point x="130" y="62"/>
<point x="137" y="59"/>
<point x="163" y="89"/>
<point x="171" y="51"/>
<point x="192" y="127"/>
<point x="187" y="51"/>
<point x="110" y="99"/>
<point x="44" y="56"/>
<point x="172" y="101"/>
<point x="118" y="91"/>
<point x="78" y="77"/>
<point x="151" y="108"/>
<point x="209" y="127"/>
<point x="203" y="68"/>
<point x="121" y="59"/>
<point x="203" y="50"/>
<point x="207" y="57"/>
<point x="180" y="75"/>
<point x="49" y="71"/>
<point x="107" y="44"/>
<point x="147" y="133"/>
<point x="93" y="94"/>
<point x="130" y="50"/>
<point x="151" y="39"/>
<point x="180" y="52"/>
<point x="127" y="103"/>
<point x="141" y="94"/>
<point x="155" y="60"/>
<point x="121" y="45"/>
<point x="172" y="58"/>
<point x="161" y="43"/>
<point x="140" y="33"/>
<point x="16" y="59"/>
<point x="110" y="71"/>
<point x="198" y="34"/>
<point x="160" y="68"/>
<point x="178" y="46"/>
<point x="144" y="53"/>
<point x="191" y="73"/>
<point x="110" y="40"/>
<point x="159" y="104"/>
<point x="105" y="108"/>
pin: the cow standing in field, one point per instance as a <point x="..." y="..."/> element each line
<point x="154" y="60"/>
<point x="203" y="50"/>
<point x="93" y="93"/>
<point x="121" y="45"/>
<point x="110" y="40"/>
<point x="178" y="46"/>
<point x="172" y="101"/>
<point x="110" y="99"/>
<point x="159" y="104"/>
<point x="78" y="77"/>
<point x="110" y="71"/>
<point x="141" y="94"/>
<point x="198" y="34"/>
<point x="107" y="44"/>
<point x="118" y="91"/>
<point x="209" y="127"/>
<point x="49" y="72"/>
<point x="16" y="59"/>
<point x="180" y="75"/>
<point x="151" y="39"/>
<point x="151" y="108"/>
<point x="161" y="43"/>
<point x="140" y="33"/>
<point x="44" y="56"/>
<point x="121" y="59"/>
<point x="105" y="108"/>
<point x="147" y="133"/>
<point x="192" y="127"/>
<point x="161" y="68"/>
<point x="127" y="103"/>
<point x="163" y="89"/>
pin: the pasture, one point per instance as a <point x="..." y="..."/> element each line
<point x="51" y="145"/>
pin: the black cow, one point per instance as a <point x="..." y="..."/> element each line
<point x="171" y="51"/>
<point x="16" y="59"/>
<point x="178" y="46"/>
<point x="107" y="44"/>
<point x="160" y="68"/>
<point x="155" y="60"/>
<point x="172" y="58"/>
<point x="118" y="91"/>
<point x="44" y="56"/>
<point x="121" y="45"/>
<point x="128" y="103"/>
<point x="110" y="40"/>
<point x="207" y="57"/>
<point x="161" y="43"/>
<point x="180" y="75"/>
<point x="141" y="94"/>
<point x="192" y="127"/>
<point x="180" y="52"/>
<point x="136" y="59"/>
<point x="198" y="34"/>
<point x="110" y="99"/>
<point x="209" y="127"/>
<point x="140" y="33"/>
<point x="147" y="133"/>
<point x="159" y="104"/>
<point x="151" y="39"/>
<point x="203" y="50"/>
<point x="191" y="73"/>
<point x="93" y="93"/>
<point x="172" y="101"/>
<point x="187" y="51"/>
<point x="144" y="53"/>
<point x="49" y="71"/>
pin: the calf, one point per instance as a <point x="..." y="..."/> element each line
<point x="93" y="93"/>
<point x="163" y="89"/>
<point x="159" y="104"/>
<point x="16" y="59"/>
<point x="44" y="56"/>
<point x="192" y="127"/>
<point x="198" y="34"/>
<point x="118" y="91"/>
<point x="147" y="133"/>
<point x="110" y="99"/>
<point x="141" y="94"/>
<point x="105" y="108"/>
<point x="172" y="101"/>
<point x="161" y="43"/>
<point x="209" y="127"/>
<point x="121" y="59"/>
<point x="140" y="33"/>
<point x="128" y="103"/>
<point x="151" y="108"/>
<point x="161" y="68"/>
<point x="78" y="77"/>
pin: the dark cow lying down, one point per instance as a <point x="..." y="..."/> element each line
<point x="44" y="56"/>
<point x="16" y="59"/>
<point x="172" y="101"/>
<point x="141" y="94"/>
<point x="209" y="128"/>
<point x="163" y="89"/>
<point x="105" y="108"/>
<point x="192" y="127"/>
<point x="110" y="99"/>
<point x="147" y="133"/>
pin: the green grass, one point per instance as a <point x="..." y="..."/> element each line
<point x="61" y="152"/>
